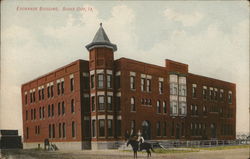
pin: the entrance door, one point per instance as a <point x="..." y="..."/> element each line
<point x="213" y="131"/>
<point x="146" y="130"/>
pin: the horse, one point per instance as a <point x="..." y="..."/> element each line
<point x="143" y="146"/>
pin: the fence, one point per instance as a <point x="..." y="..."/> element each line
<point x="198" y="143"/>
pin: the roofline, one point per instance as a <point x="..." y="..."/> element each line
<point x="212" y="78"/>
<point x="124" y="58"/>
<point x="39" y="77"/>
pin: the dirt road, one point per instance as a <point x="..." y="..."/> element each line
<point x="115" y="154"/>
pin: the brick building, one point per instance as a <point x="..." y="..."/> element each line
<point x="92" y="104"/>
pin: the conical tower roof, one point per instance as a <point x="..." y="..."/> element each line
<point x="101" y="40"/>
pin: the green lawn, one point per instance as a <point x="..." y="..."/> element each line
<point x="167" y="151"/>
<point x="223" y="147"/>
<point x="187" y="150"/>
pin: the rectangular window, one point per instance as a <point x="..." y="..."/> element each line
<point x="132" y="103"/>
<point x="93" y="103"/>
<point x="132" y="82"/>
<point x="221" y="95"/>
<point x="40" y="113"/>
<point x="164" y="107"/>
<point x="64" y="130"/>
<point x="158" y="127"/>
<point x="100" y="78"/>
<point x="204" y="92"/>
<point x="34" y="114"/>
<point x="34" y="96"/>
<point x="31" y="114"/>
<point x="72" y="105"/>
<point x="182" y="90"/>
<point x="60" y="130"/>
<point x="62" y="87"/>
<point x="59" y="108"/>
<point x="109" y="103"/>
<point x="110" y="127"/>
<point x="118" y="103"/>
<point x="31" y="97"/>
<point x="42" y="93"/>
<point x="215" y="94"/>
<point x="173" y="107"/>
<point x="230" y="98"/>
<point x="173" y="89"/>
<point x="50" y="129"/>
<point x="73" y="129"/>
<point x="48" y="92"/>
<point x="183" y="107"/>
<point x="148" y="85"/>
<point x="48" y="110"/>
<point x="58" y="88"/>
<point x="109" y="81"/>
<point x="43" y="112"/>
<point x="119" y="127"/>
<point x="160" y="87"/>
<point x="26" y="99"/>
<point x="63" y="108"/>
<point x="92" y="81"/>
<point x="143" y="84"/>
<point x="211" y="93"/>
<point x="53" y="131"/>
<point x="52" y="110"/>
<point x="101" y="102"/>
<point x="39" y="94"/>
<point x="194" y="90"/>
<point x="101" y="127"/>
<point x="52" y="91"/>
<point x="27" y="114"/>
<point x="158" y="104"/>
<point x="71" y="84"/>
<point x="93" y="128"/>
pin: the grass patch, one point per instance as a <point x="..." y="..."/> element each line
<point x="163" y="151"/>
<point x="167" y="151"/>
<point x="223" y="147"/>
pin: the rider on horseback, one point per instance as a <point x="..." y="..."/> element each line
<point x="140" y="139"/>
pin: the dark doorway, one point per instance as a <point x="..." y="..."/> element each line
<point x="146" y="130"/>
<point x="177" y="131"/>
<point x="213" y="131"/>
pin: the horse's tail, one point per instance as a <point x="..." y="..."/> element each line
<point x="152" y="148"/>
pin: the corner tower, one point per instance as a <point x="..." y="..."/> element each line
<point x="101" y="59"/>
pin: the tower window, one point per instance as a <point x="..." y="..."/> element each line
<point x="101" y="102"/>
<point x="109" y="81"/>
<point x="100" y="80"/>
<point x="109" y="103"/>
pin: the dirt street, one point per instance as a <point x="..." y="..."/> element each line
<point x="115" y="154"/>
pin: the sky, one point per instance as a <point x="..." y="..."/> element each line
<point x="212" y="37"/>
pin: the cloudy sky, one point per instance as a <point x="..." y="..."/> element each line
<point x="211" y="36"/>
